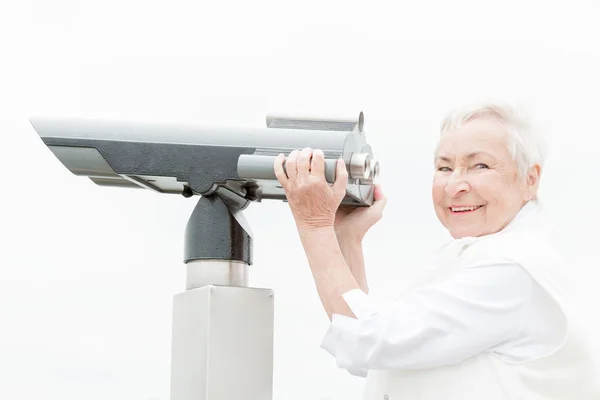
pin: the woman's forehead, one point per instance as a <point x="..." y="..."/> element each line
<point x="482" y="135"/>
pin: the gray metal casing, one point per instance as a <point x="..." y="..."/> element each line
<point x="196" y="160"/>
<point x="222" y="337"/>
<point x="222" y="344"/>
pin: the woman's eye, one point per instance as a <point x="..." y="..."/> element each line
<point x="481" y="166"/>
<point x="444" y="169"/>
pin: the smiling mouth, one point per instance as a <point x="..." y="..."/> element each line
<point x="464" y="209"/>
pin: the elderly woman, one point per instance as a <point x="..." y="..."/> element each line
<point x="494" y="317"/>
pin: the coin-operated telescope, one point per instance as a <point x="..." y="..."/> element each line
<point x="222" y="338"/>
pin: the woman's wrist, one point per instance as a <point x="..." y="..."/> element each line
<point x="347" y="237"/>
<point x="351" y="246"/>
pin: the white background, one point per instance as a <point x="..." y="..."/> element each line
<point x="87" y="274"/>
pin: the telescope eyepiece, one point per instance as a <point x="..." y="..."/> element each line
<point x="360" y="166"/>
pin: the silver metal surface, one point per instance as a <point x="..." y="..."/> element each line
<point x="360" y="166"/>
<point x="84" y="161"/>
<point x="374" y="171"/>
<point x="156" y="155"/>
<point x="261" y="167"/>
<point x="216" y="272"/>
<point x="222" y="344"/>
<point x="180" y="133"/>
<point x="316" y="122"/>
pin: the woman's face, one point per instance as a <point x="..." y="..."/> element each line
<point x="476" y="187"/>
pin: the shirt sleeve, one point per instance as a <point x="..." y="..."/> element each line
<point x="433" y="326"/>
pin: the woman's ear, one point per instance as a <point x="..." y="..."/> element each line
<point x="533" y="181"/>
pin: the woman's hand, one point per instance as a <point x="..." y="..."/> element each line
<point x="313" y="203"/>
<point x="352" y="223"/>
<point x="312" y="200"/>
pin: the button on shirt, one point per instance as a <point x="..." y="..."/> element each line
<point x="492" y="307"/>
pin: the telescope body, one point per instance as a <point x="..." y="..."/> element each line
<point x="222" y="329"/>
<point x="188" y="159"/>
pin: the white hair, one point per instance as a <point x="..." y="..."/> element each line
<point x="525" y="145"/>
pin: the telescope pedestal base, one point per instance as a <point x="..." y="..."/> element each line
<point x="222" y="344"/>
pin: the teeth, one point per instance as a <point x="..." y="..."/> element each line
<point x="459" y="209"/>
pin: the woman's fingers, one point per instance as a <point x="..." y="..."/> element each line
<point x="279" y="170"/>
<point x="341" y="180"/>
<point x="291" y="166"/>
<point x="304" y="162"/>
<point x="317" y="165"/>
<point x="378" y="193"/>
<point x="379" y="203"/>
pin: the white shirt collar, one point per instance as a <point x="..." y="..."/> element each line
<point x="529" y="214"/>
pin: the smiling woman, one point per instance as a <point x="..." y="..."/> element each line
<point x="494" y="317"/>
<point x="488" y="166"/>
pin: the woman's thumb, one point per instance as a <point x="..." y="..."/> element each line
<point x="379" y="200"/>
<point x="378" y="195"/>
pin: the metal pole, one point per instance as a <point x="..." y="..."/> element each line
<point x="222" y="338"/>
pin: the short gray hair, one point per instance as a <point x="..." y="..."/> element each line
<point x="526" y="146"/>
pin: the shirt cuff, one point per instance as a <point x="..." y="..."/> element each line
<point x="361" y="304"/>
<point x="342" y="328"/>
<point x="339" y="342"/>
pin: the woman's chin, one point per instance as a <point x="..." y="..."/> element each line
<point x="460" y="232"/>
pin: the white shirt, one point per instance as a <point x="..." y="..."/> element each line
<point x="493" y="307"/>
<point x="498" y="318"/>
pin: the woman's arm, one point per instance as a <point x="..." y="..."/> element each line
<point x="351" y="225"/>
<point x="314" y="204"/>
<point x="331" y="274"/>
<point x="437" y="325"/>
<point x="352" y="251"/>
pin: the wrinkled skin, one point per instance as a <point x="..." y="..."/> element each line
<point x="315" y="204"/>
<point x="354" y="222"/>
<point x="474" y="168"/>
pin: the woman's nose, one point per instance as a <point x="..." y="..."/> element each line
<point x="457" y="185"/>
